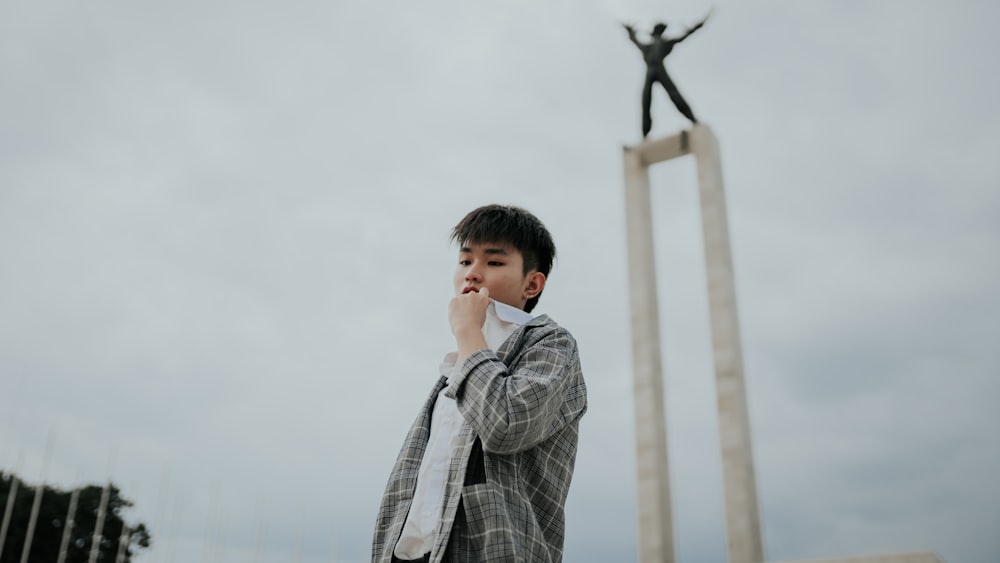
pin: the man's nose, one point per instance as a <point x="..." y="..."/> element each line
<point x="473" y="274"/>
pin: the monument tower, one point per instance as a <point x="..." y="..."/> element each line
<point x="743" y="532"/>
<point x="744" y="539"/>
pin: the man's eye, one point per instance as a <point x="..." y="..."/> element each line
<point x="464" y="262"/>
<point x="496" y="263"/>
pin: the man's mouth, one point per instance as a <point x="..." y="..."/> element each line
<point x="468" y="289"/>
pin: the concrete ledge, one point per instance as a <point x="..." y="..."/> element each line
<point x="915" y="557"/>
<point x="653" y="151"/>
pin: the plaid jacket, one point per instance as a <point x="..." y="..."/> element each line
<point x="514" y="456"/>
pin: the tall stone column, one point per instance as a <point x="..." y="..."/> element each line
<point x="743" y="531"/>
<point x="656" y="534"/>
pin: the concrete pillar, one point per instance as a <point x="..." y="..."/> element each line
<point x="656" y="534"/>
<point x="743" y="530"/>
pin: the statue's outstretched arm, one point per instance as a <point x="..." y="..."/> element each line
<point x="631" y="36"/>
<point x="690" y="31"/>
<point x="696" y="27"/>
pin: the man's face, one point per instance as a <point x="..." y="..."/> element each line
<point x="497" y="267"/>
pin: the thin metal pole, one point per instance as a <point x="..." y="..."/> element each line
<point x="74" y="499"/>
<point x="95" y="545"/>
<point x="11" y="495"/>
<point x="29" y="536"/>
<point x="123" y="542"/>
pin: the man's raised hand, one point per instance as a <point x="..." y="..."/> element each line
<point x="467" y="312"/>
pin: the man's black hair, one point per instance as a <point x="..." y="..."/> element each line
<point x="506" y="224"/>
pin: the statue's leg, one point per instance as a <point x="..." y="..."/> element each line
<point x="647" y="100"/>
<point x="676" y="98"/>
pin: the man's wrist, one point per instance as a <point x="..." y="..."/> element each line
<point x="469" y="341"/>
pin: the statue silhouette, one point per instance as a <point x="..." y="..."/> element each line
<point x="653" y="53"/>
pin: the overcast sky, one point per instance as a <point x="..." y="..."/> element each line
<point x="224" y="257"/>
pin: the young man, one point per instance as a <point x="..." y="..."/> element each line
<point x="484" y="471"/>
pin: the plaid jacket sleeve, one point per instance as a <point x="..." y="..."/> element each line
<point x="517" y="406"/>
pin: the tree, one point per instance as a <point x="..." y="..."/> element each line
<point x="52" y="521"/>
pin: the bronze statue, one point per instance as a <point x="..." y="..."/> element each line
<point x="653" y="53"/>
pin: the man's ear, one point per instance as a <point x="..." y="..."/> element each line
<point x="534" y="285"/>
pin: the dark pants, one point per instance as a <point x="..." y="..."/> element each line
<point x="660" y="75"/>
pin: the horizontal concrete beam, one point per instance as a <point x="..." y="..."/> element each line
<point x="658" y="150"/>
<point x="915" y="557"/>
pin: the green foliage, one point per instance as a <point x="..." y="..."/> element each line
<point x="52" y="517"/>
